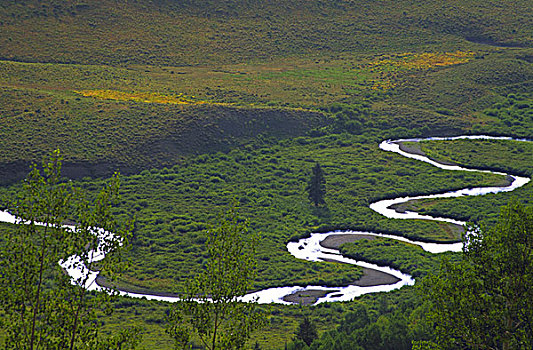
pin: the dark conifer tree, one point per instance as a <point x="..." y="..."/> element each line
<point x="317" y="186"/>
<point x="307" y="331"/>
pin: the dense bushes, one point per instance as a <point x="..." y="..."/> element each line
<point x="174" y="205"/>
<point x="393" y="324"/>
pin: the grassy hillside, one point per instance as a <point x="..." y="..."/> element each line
<point x="100" y="137"/>
<point x="106" y="118"/>
<point x="147" y="83"/>
<point x="177" y="33"/>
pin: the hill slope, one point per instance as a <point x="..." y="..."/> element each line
<point x="168" y="32"/>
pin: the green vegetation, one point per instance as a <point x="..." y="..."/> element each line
<point x="213" y="32"/>
<point x="317" y="186"/>
<point x="380" y="322"/>
<point x="210" y="308"/>
<point x="514" y="110"/>
<point x="482" y="301"/>
<point x="479" y="300"/>
<point x="270" y="185"/>
<point x="405" y="257"/>
<point x="506" y="156"/>
<point x="42" y="307"/>
<point x="103" y="107"/>
<point x="201" y="102"/>
<point x="99" y="137"/>
<point x="306" y="331"/>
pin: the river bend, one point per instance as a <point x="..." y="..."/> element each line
<point x="310" y="248"/>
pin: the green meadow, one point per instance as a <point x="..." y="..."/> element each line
<point x="200" y="103"/>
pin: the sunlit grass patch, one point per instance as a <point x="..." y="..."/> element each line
<point x="382" y="73"/>
<point x="390" y="67"/>
<point x="424" y="60"/>
<point x="140" y="97"/>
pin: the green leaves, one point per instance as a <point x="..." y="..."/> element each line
<point x="484" y="300"/>
<point x="46" y="308"/>
<point x="210" y="308"/>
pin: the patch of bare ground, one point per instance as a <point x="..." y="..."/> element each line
<point x="307" y="297"/>
<point x="370" y="278"/>
<point x="414" y="148"/>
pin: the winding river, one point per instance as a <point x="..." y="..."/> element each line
<point x="310" y="248"/>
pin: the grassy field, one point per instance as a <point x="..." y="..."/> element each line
<point x="201" y="102"/>
<point x="512" y="157"/>
<point x="189" y="33"/>
<point x="106" y="118"/>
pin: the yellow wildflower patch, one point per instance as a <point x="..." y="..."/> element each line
<point x="145" y="97"/>
<point x="429" y="60"/>
<point x="390" y="68"/>
<point x="383" y="85"/>
<point x="424" y="60"/>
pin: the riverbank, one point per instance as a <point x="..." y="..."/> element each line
<point x="317" y="247"/>
<point x="370" y="278"/>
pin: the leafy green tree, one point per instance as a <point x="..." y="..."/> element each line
<point x="356" y="319"/>
<point x="307" y="331"/>
<point x="317" y="186"/>
<point x="211" y="309"/>
<point x="484" y="301"/>
<point x="425" y="345"/>
<point x="43" y="307"/>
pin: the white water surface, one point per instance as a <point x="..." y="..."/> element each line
<point x="310" y="249"/>
<point x="383" y="206"/>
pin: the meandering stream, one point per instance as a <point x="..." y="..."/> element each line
<point x="310" y="248"/>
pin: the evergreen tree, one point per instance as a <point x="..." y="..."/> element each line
<point x="307" y="331"/>
<point x="317" y="186"/>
